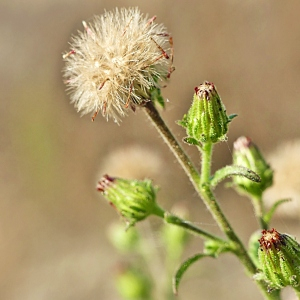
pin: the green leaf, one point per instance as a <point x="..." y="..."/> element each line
<point x="231" y="117"/>
<point x="183" y="122"/>
<point x="191" y="141"/>
<point x="157" y="97"/>
<point x="232" y="170"/>
<point x="268" y="216"/>
<point x="182" y="269"/>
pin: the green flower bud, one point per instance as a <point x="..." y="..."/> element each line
<point x="279" y="257"/>
<point x="133" y="284"/>
<point x="133" y="199"/>
<point x="206" y="121"/>
<point x="247" y="154"/>
<point x="124" y="241"/>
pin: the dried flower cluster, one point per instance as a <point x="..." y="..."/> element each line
<point x="116" y="61"/>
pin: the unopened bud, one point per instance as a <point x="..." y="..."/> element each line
<point x="133" y="284"/>
<point x="279" y="257"/>
<point x="133" y="199"/>
<point x="125" y="241"/>
<point x="247" y="154"/>
<point x="206" y="121"/>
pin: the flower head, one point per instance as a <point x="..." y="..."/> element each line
<point x="116" y="62"/>
<point x="279" y="259"/>
<point x="135" y="200"/>
<point x="247" y="154"/>
<point x="206" y="120"/>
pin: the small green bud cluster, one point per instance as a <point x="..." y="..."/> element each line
<point x="133" y="199"/>
<point x="247" y="154"/>
<point x="279" y="257"/>
<point x="206" y="121"/>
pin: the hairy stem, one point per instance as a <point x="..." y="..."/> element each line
<point x="259" y="211"/>
<point x="172" y="219"/>
<point x="172" y="143"/>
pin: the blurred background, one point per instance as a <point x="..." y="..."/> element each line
<point x="53" y="224"/>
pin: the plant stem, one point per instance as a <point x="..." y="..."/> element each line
<point x="172" y="219"/>
<point x="202" y="186"/>
<point x="259" y="211"/>
<point x="172" y="143"/>
<point x="213" y="206"/>
<point x="210" y="201"/>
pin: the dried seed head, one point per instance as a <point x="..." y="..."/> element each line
<point x="116" y="62"/>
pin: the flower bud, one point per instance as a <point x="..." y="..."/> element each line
<point x="279" y="257"/>
<point x="247" y="154"/>
<point x="206" y="121"/>
<point x="133" y="199"/>
<point x="133" y="284"/>
<point x="125" y="241"/>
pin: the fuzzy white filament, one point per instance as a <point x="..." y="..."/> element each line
<point x="115" y="61"/>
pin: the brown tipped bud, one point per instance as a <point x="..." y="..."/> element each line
<point x="279" y="257"/>
<point x="247" y="154"/>
<point x="134" y="199"/>
<point x="206" y="121"/>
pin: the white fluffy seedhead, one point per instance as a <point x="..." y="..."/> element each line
<point x="116" y="61"/>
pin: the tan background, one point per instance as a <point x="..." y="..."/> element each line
<point x="52" y="225"/>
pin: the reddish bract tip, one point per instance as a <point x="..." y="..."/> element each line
<point x="242" y="143"/>
<point x="105" y="182"/>
<point x="205" y="90"/>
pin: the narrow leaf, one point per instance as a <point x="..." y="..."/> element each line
<point x="182" y="269"/>
<point x="232" y="170"/>
<point x="268" y="216"/>
<point x="191" y="141"/>
<point x="231" y="117"/>
<point x="183" y="122"/>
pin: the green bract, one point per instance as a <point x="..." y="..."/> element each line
<point x="247" y="154"/>
<point x="206" y="121"/>
<point x="134" y="199"/>
<point x="279" y="257"/>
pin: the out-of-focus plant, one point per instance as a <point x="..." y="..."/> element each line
<point x="120" y="62"/>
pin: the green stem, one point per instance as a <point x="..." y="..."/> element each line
<point x="259" y="211"/>
<point x="210" y="201"/>
<point x="172" y="143"/>
<point x="172" y="219"/>
<point x="213" y="206"/>
<point x="202" y="186"/>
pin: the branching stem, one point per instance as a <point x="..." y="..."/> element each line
<point x="202" y="186"/>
